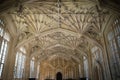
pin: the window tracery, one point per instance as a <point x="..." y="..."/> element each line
<point x="4" y="40"/>
<point x="20" y="63"/>
<point x="114" y="45"/>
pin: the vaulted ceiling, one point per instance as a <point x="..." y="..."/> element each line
<point x="64" y="28"/>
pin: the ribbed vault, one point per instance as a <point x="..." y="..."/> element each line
<point x="58" y="28"/>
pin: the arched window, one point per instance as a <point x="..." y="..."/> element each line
<point x="97" y="60"/>
<point x="96" y="54"/>
<point x="114" y="45"/>
<point x="4" y="40"/>
<point x="19" y="63"/>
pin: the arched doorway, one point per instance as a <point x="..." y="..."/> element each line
<point x="59" y="76"/>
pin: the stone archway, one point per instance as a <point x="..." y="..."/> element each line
<point x="59" y="76"/>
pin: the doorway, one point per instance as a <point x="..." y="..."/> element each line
<point x="59" y="76"/>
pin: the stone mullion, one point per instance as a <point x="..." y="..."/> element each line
<point x="27" y="65"/>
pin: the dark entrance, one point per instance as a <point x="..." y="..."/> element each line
<point x="59" y="76"/>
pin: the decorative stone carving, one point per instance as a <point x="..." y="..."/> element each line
<point x="59" y="26"/>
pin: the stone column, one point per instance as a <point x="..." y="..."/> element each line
<point x="90" y="66"/>
<point x="27" y="64"/>
<point x="74" y="72"/>
<point x="77" y="72"/>
<point x="82" y="69"/>
<point x="65" y="73"/>
<point x="106" y="65"/>
<point x="8" y="72"/>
